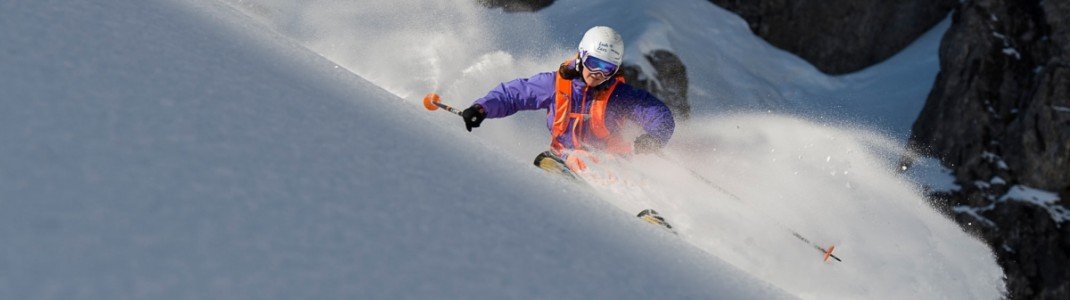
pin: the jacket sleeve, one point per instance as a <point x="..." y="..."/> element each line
<point x="507" y="98"/>
<point x="650" y="113"/>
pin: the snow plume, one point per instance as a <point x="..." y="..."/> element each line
<point x="452" y="47"/>
<point x="770" y="176"/>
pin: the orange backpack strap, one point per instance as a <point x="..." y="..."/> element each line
<point x="562" y="100"/>
<point x="598" y="109"/>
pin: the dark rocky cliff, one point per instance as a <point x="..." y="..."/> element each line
<point x="1004" y="89"/>
<point x="840" y="36"/>
<point x="999" y="116"/>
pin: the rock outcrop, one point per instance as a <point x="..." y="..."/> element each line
<point x="669" y="83"/>
<point x="1003" y="91"/>
<point x="840" y="36"/>
<point x="999" y="116"/>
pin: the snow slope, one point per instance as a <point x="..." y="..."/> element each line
<point x="174" y="149"/>
<point x="796" y="149"/>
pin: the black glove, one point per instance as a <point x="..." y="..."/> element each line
<point x="473" y="116"/>
<point x="646" y="143"/>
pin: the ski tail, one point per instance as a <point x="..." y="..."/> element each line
<point x="651" y="216"/>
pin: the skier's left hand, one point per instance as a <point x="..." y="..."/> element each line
<point x="646" y="143"/>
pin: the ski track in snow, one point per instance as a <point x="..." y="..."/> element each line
<point x="176" y="149"/>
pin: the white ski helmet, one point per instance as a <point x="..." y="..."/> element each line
<point x="604" y="43"/>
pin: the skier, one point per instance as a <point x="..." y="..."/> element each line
<point x="587" y="104"/>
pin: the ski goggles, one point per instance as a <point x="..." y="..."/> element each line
<point x="596" y="65"/>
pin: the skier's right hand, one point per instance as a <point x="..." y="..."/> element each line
<point x="473" y="116"/>
<point x="646" y="143"/>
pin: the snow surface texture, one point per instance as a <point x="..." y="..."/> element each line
<point x="159" y="150"/>
<point x="172" y="149"/>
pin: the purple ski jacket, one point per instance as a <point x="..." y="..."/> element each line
<point x="626" y="102"/>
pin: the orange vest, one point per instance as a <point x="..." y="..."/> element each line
<point x="596" y="120"/>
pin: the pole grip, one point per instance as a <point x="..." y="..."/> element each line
<point x="450" y="109"/>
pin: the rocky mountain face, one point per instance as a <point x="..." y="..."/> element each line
<point x="999" y="116"/>
<point x="840" y="36"/>
<point x="1003" y="93"/>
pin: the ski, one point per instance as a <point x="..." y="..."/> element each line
<point x="555" y="165"/>
<point x="651" y="216"/>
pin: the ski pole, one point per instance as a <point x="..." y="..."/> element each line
<point x="827" y="252"/>
<point x="433" y="102"/>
